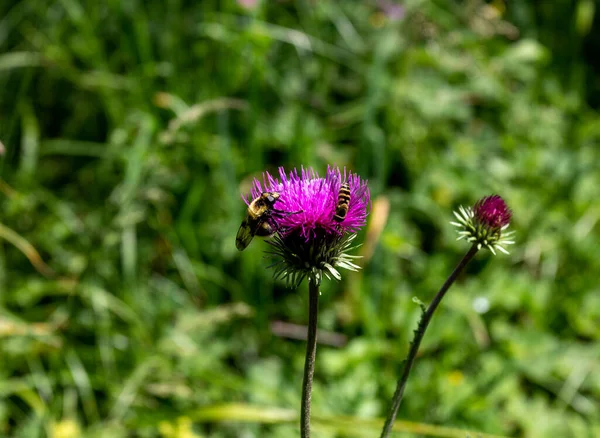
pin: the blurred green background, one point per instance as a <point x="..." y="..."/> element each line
<point x="129" y="131"/>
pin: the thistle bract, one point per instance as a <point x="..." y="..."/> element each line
<point x="309" y="242"/>
<point x="485" y="223"/>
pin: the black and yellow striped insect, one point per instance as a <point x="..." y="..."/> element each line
<point x="343" y="203"/>
<point x="256" y="222"/>
<point x="259" y="219"/>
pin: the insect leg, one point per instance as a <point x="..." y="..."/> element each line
<point x="283" y="214"/>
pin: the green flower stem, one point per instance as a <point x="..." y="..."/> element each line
<point x="309" y="362"/>
<point x="419" y="333"/>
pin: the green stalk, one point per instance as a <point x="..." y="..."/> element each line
<point x="419" y="333"/>
<point x="309" y="362"/>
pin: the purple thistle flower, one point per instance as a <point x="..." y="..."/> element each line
<point x="485" y="223"/>
<point x="316" y="199"/>
<point x="309" y="241"/>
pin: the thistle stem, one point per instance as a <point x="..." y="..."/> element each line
<point x="309" y="362"/>
<point x="419" y="333"/>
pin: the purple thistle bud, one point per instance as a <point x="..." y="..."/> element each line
<point x="310" y="240"/>
<point x="492" y="212"/>
<point x="485" y="223"/>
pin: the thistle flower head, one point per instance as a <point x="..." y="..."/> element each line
<point x="309" y="241"/>
<point x="485" y="223"/>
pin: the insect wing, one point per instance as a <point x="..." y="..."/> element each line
<point x="244" y="236"/>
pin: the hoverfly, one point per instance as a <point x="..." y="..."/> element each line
<point x="258" y="220"/>
<point x="343" y="202"/>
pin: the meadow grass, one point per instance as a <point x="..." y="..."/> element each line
<point x="129" y="131"/>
